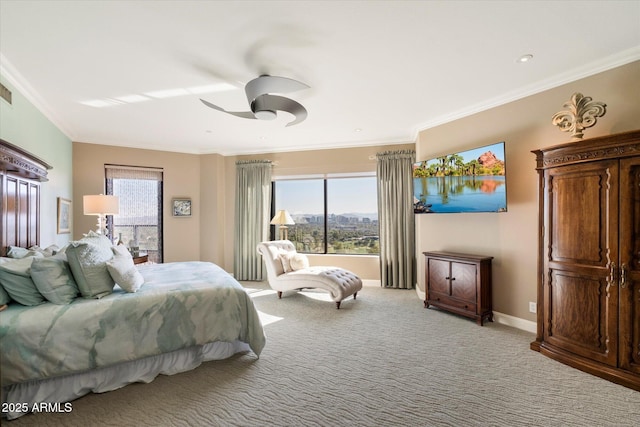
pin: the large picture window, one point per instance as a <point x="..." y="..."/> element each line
<point x="332" y="215"/>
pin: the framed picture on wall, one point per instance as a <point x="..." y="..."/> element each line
<point x="181" y="207"/>
<point x="64" y="216"/>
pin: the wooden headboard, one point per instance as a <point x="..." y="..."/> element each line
<point x="20" y="176"/>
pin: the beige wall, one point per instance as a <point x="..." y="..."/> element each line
<point x="524" y="125"/>
<point x="214" y="223"/>
<point x="181" y="179"/>
<point x="314" y="163"/>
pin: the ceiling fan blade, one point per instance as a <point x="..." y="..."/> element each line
<point x="243" y="114"/>
<point x="271" y="84"/>
<point x="280" y="103"/>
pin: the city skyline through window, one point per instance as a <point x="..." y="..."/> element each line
<point x="350" y="206"/>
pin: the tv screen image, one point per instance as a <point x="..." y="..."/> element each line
<point x="466" y="181"/>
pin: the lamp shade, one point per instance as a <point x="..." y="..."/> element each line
<point x="282" y="218"/>
<point x="101" y="205"/>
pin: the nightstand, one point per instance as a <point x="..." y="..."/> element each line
<point x="141" y="259"/>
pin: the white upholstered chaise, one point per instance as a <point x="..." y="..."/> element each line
<point x="340" y="283"/>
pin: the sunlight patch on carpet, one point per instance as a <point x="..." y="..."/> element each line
<point x="267" y="319"/>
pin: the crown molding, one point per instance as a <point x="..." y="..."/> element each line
<point x="21" y="84"/>
<point x="617" y="60"/>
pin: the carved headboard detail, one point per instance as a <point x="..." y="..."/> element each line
<point x="20" y="176"/>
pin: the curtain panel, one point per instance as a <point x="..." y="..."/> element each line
<point x="253" y="209"/>
<point x="396" y="218"/>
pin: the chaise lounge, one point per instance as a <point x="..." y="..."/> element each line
<point x="287" y="270"/>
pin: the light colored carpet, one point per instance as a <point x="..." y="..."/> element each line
<point x="382" y="360"/>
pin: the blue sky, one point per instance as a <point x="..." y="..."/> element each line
<point x="346" y="195"/>
<point x="497" y="149"/>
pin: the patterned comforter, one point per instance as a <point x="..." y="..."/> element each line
<point x="180" y="305"/>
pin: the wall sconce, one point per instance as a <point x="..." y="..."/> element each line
<point x="102" y="206"/>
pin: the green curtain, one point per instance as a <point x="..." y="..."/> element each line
<point x="396" y="219"/>
<point x="253" y="208"/>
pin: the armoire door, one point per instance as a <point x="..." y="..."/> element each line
<point x="629" y="273"/>
<point x="581" y="246"/>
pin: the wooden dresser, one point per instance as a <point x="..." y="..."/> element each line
<point x="589" y="256"/>
<point x="459" y="283"/>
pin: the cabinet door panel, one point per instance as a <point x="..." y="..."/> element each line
<point x="579" y="214"/>
<point x="577" y="319"/>
<point x="463" y="281"/>
<point x="581" y="244"/>
<point x="439" y="276"/>
<point x="630" y="264"/>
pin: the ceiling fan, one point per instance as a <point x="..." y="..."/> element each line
<point x="264" y="105"/>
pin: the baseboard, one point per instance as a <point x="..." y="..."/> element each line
<point x="370" y="282"/>
<point x="516" y="322"/>
<point x="504" y="319"/>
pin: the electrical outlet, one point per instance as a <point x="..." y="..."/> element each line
<point x="533" y="307"/>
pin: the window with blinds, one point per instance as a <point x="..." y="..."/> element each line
<point x="139" y="223"/>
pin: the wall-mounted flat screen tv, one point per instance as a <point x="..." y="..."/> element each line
<point x="467" y="181"/>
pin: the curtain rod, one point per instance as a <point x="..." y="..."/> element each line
<point x="137" y="168"/>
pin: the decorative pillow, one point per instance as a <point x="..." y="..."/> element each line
<point x="16" y="281"/>
<point x="46" y="252"/>
<point x="4" y="297"/>
<point x="299" y="261"/>
<point x="97" y="239"/>
<point x="54" y="280"/>
<point x="285" y="259"/>
<point x="18" y="252"/>
<point x="121" y="250"/>
<point x="124" y="272"/>
<point x="88" y="263"/>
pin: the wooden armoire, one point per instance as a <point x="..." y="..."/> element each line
<point x="589" y="256"/>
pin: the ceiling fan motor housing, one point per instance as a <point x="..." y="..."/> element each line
<point x="261" y="111"/>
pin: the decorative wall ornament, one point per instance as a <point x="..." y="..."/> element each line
<point x="582" y="113"/>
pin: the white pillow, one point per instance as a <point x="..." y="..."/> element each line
<point x="18" y="252"/>
<point x="46" y="252"/>
<point x="299" y="261"/>
<point x="285" y="259"/>
<point x="121" y="250"/>
<point x="124" y="272"/>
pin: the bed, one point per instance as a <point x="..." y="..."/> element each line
<point x="176" y="317"/>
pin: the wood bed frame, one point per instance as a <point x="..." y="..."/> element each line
<point x="20" y="176"/>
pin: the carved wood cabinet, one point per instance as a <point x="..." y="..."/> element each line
<point x="459" y="283"/>
<point x="589" y="256"/>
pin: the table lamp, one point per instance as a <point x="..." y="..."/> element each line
<point x="102" y="206"/>
<point x="282" y="219"/>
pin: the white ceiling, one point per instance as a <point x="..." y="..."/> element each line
<point x="389" y="68"/>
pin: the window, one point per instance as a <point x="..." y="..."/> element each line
<point x="139" y="223"/>
<point x="332" y="215"/>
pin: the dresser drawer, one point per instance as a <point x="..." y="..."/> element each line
<point x="436" y="298"/>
